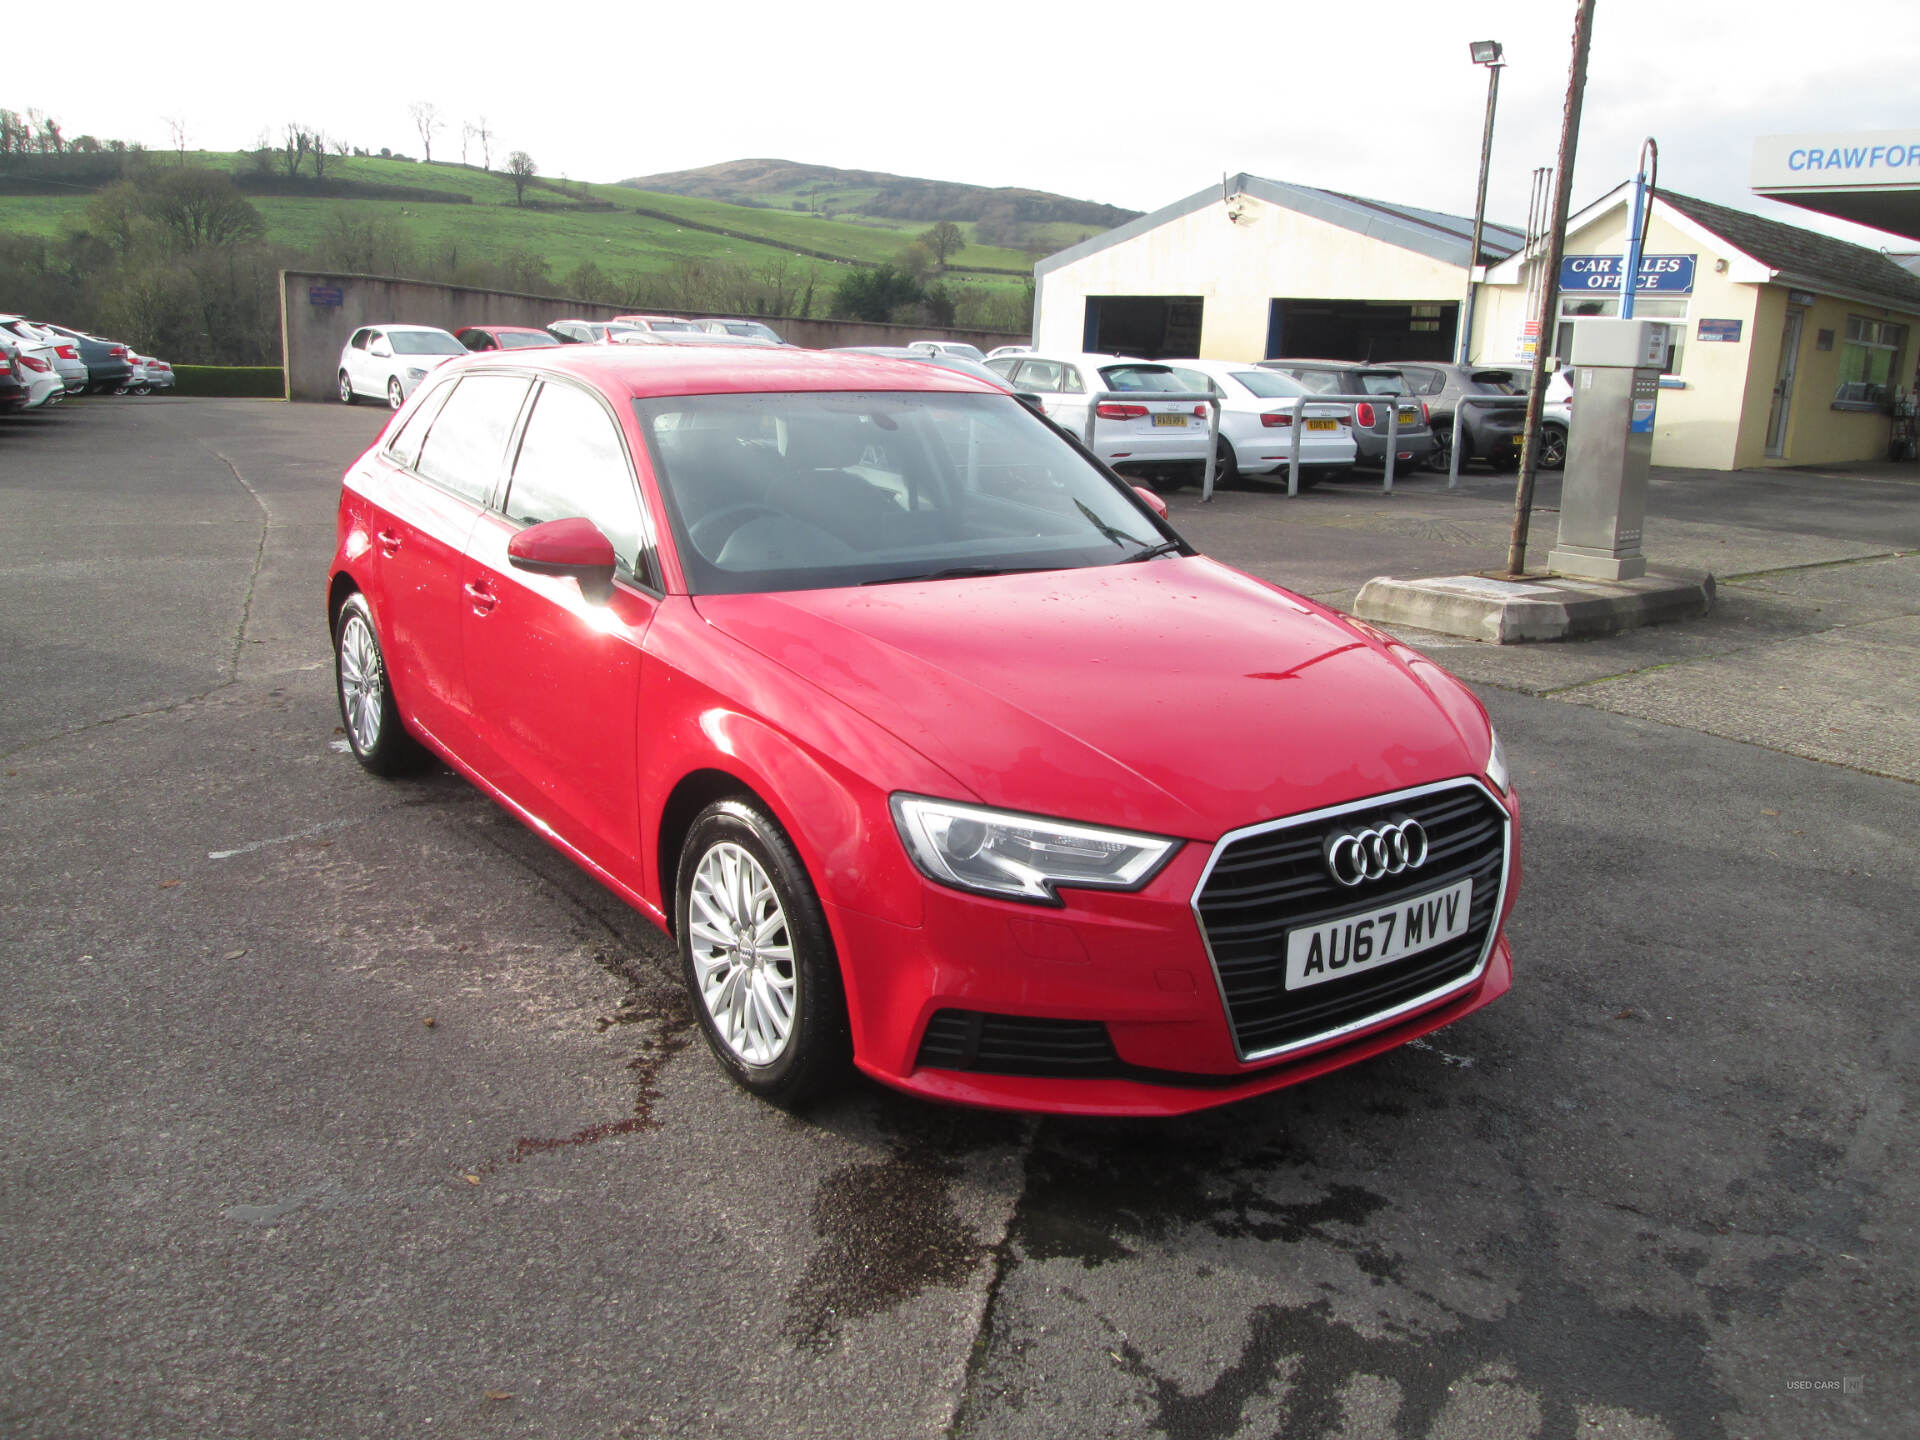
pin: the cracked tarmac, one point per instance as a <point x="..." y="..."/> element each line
<point x="343" y="1108"/>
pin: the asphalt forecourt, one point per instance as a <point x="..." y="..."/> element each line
<point x="346" y="1107"/>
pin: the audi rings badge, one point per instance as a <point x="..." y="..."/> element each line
<point x="1391" y="848"/>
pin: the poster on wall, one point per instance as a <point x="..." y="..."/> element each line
<point x="1727" y="331"/>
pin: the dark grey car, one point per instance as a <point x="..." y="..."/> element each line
<point x="108" y="367"/>
<point x="1489" y="431"/>
<point x="1347" y="377"/>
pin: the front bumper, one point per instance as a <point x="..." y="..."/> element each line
<point x="1134" y="966"/>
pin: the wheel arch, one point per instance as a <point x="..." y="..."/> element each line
<point x="695" y="791"/>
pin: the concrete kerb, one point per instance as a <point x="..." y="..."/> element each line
<point x="1534" y="608"/>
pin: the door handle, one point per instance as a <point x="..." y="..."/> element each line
<point x="481" y="598"/>
<point x="389" y="542"/>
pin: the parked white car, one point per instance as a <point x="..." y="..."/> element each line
<point x="749" y="329"/>
<point x="33" y="365"/>
<point x="946" y="347"/>
<point x="1153" y="439"/>
<point x="159" y="375"/>
<point x="390" y="360"/>
<point x="999" y="350"/>
<point x="1258" y="410"/>
<point x="138" y="380"/>
<point x="591" y="332"/>
<point x="17" y="329"/>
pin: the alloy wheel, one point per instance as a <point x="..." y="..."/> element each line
<point x="361" y="679"/>
<point x="742" y="953"/>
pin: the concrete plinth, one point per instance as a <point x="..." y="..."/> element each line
<point x="1548" y="607"/>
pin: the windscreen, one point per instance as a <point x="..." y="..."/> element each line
<point x="809" y="491"/>
<point x="682" y="326"/>
<point x="1382" y="382"/>
<point x="1270" y="384"/>
<point x="1141" y="377"/>
<point x="511" y="340"/>
<point x="424" y="342"/>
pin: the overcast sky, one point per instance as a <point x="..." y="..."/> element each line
<point x="1131" y="104"/>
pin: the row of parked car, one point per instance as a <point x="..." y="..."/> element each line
<point x="1262" y="401"/>
<point x="42" y="363"/>
<point x="1417" y="404"/>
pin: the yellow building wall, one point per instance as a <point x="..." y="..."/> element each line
<point x="1236" y="269"/>
<point x="1817" y="434"/>
<point x="1701" y="423"/>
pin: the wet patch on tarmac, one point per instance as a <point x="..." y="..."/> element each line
<point x="889" y="1228"/>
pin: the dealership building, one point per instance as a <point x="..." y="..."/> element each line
<point x="1784" y="347"/>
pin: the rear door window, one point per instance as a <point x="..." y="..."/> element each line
<point x="1039" y="375"/>
<point x="404" y="448"/>
<point x="464" y="449"/>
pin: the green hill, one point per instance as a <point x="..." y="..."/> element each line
<point x="446" y="206"/>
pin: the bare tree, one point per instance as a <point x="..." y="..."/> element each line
<point x="520" y="167"/>
<point x="426" y="119"/>
<point x="318" y="142"/>
<point x="467" y="133"/>
<point x="298" y="141"/>
<point x="485" y="136"/>
<point x="177" y="128"/>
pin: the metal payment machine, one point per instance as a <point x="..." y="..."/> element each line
<point x="1603" y="498"/>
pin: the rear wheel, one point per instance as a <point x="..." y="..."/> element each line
<point x="396" y="397"/>
<point x="374" y="732"/>
<point x="347" y="397"/>
<point x="1553" y="447"/>
<point x="758" y="957"/>
<point x="1226" y="465"/>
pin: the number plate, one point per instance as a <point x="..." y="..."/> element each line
<point x="1368" y="941"/>
<point x="1409" y="417"/>
<point x="1180" y="420"/>
<point x="1323" y="424"/>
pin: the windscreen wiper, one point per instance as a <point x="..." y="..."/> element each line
<point x="1106" y="530"/>
<point x="957" y="572"/>
<point x="1165" y="547"/>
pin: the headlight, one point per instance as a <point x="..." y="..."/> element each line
<point x="414" y="372"/>
<point x="1497" y="765"/>
<point x="1022" y="857"/>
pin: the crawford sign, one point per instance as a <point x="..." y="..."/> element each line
<point x="1659" y="274"/>
<point x="1837" y="160"/>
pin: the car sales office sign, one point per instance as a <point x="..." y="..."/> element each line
<point x="1659" y="274"/>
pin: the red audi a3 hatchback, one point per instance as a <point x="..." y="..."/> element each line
<point x="929" y="741"/>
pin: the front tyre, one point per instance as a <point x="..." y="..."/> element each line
<point x="374" y="732"/>
<point x="396" y="397"/>
<point x="757" y="956"/>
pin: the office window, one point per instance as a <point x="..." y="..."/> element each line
<point x="1666" y="308"/>
<point x="1869" y="360"/>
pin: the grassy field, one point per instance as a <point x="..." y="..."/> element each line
<point x="563" y="230"/>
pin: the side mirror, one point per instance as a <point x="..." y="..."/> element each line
<point x="382" y="349"/>
<point x="573" y="546"/>
<point x="1154" y="502"/>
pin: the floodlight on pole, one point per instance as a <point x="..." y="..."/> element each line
<point x="1487" y="53"/>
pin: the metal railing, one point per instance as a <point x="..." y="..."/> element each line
<point x="1458" y="431"/>
<point x="1160" y="397"/>
<point x="1392" y="404"/>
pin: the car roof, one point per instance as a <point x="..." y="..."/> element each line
<point x="1365" y="365"/>
<point x="505" y="330"/>
<point x="1094" y="358"/>
<point x="648" y="370"/>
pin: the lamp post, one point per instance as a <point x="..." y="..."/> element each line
<point x="1487" y="53"/>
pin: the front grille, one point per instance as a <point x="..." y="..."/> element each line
<point x="1016" y="1045"/>
<point x="1264" y="883"/>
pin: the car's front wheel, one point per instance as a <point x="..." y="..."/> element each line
<point x="758" y="957"/>
<point x="396" y="397"/>
<point x="374" y="732"/>
<point x="347" y="397"/>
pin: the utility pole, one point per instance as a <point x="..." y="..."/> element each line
<point x="1550" y="287"/>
